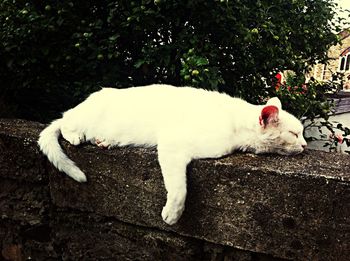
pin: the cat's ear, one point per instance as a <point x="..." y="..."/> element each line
<point x="269" y="116"/>
<point x="276" y="102"/>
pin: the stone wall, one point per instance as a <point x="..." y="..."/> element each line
<point x="241" y="207"/>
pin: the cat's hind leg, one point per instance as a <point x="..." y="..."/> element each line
<point x="72" y="136"/>
<point x="173" y="165"/>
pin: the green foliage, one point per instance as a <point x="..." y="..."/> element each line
<point x="196" y="71"/>
<point x="307" y="100"/>
<point x="53" y="53"/>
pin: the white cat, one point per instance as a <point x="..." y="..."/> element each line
<point x="184" y="123"/>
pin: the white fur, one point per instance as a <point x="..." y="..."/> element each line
<point x="184" y="123"/>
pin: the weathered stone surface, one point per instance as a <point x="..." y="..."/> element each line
<point x="289" y="207"/>
<point x="20" y="157"/>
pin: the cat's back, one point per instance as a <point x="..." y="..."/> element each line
<point x="153" y="92"/>
<point x="165" y="96"/>
<point x="161" y="99"/>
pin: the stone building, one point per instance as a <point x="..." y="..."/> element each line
<point x="339" y="62"/>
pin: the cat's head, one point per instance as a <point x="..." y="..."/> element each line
<point x="281" y="132"/>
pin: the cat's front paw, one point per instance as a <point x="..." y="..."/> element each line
<point x="171" y="214"/>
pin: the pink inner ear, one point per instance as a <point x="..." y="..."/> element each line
<point x="268" y="114"/>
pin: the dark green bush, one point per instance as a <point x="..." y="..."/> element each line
<point x="53" y="53"/>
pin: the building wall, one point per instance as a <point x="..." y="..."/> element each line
<point x="324" y="72"/>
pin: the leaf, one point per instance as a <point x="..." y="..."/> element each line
<point x="201" y="61"/>
<point x="139" y="63"/>
<point x="113" y="37"/>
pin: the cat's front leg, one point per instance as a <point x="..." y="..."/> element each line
<point x="173" y="165"/>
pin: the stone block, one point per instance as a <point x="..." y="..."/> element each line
<point x="241" y="207"/>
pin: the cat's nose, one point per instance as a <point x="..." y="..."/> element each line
<point x="304" y="146"/>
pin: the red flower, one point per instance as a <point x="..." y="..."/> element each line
<point x="339" y="138"/>
<point x="278" y="76"/>
<point x="336" y="137"/>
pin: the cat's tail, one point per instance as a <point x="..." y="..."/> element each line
<point x="48" y="143"/>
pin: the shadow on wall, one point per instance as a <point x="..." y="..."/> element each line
<point x="324" y="136"/>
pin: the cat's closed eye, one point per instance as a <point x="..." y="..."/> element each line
<point x="295" y="134"/>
